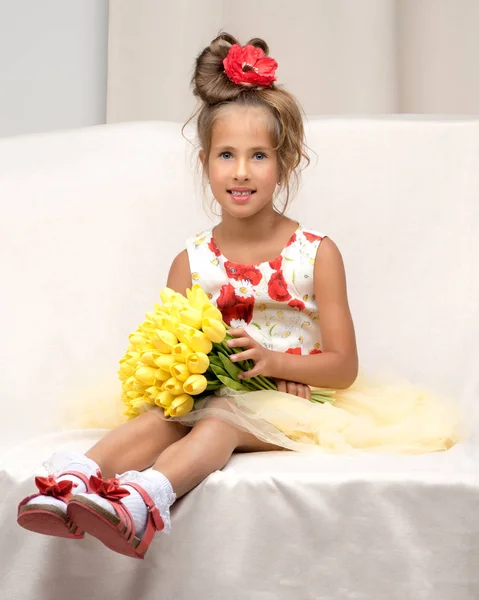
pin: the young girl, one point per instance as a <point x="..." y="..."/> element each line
<point x="281" y="287"/>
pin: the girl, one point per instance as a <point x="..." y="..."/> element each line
<point x="282" y="289"/>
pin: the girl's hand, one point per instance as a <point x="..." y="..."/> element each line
<point x="262" y="357"/>
<point x="291" y="387"/>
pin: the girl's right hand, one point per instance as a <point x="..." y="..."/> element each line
<point x="292" y="387"/>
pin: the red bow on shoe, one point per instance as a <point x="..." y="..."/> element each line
<point x="49" y="486"/>
<point x="108" y="488"/>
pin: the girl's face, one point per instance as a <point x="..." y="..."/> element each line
<point x="242" y="164"/>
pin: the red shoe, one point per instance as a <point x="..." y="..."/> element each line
<point x="46" y="518"/>
<point x="117" y="531"/>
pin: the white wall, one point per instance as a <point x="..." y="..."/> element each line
<point x="53" y="64"/>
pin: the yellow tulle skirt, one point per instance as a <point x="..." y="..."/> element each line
<point x="372" y="415"/>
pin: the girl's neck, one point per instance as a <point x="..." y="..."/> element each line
<point x="250" y="230"/>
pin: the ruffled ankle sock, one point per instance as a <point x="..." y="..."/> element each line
<point x="155" y="485"/>
<point x="67" y="461"/>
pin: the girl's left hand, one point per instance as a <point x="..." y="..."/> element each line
<point x="262" y="357"/>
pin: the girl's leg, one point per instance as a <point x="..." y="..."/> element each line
<point x="135" y="445"/>
<point x="207" y="448"/>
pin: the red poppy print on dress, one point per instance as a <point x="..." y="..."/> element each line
<point x="276" y="263"/>
<point x="316" y="351"/>
<point x="232" y="307"/>
<point x="293" y="351"/>
<point x="291" y="241"/>
<point x="311" y="237"/>
<point x="294" y="303"/>
<point x="213" y="247"/>
<point x="277" y="288"/>
<point x="243" y="272"/>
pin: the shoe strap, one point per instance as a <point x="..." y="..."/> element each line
<point x="84" y="478"/>
<point x="155" y="522"/>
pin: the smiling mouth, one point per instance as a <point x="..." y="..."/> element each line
<point x="242" y="194"/>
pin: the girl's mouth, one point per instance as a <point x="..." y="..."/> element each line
<point x="241" y="197"/>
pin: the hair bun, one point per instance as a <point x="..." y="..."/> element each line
<point x="209" y="80"/>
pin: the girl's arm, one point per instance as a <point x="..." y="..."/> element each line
<point x="337" y="366"/>
<point x="179" y="277"/>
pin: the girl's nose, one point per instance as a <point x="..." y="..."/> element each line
<point x="242" y="170"/>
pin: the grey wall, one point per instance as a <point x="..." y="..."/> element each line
<point x="53" y="64"/>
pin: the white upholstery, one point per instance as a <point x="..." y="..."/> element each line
<point x="91" y="220"/>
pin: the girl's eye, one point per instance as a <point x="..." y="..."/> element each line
<point x="226" y="155"/>
<point x="260" y="155"/>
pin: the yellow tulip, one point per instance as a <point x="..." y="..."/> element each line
<point x="151" y="393"/>
<point x="164" y="341"/>
<point x="133" y="394"/>
<point x="137" y="340"/>
<point x="214" y="330"/>
<point x="211" y="312"/>
<point x="181" y="352"/>
<point x="198" y="362"/>
<point x="180" y="371"/>
<point x="164" y="399"/>
<point x="145" y="375"/>
<point x="149" y="358"/>
<point x="167" y="323"/>
<point x="184" y="333"/>
<point x="139" y="386"/>
<point x="197" y="298"/>
<point x="200" y="343"/>
<point x="190" y="316"/>
<point x="139" y="405"/>
<point x="130" y="382"/>
<point x="164" y="361"/>
<point x="162" y="375"/>
<point x="181" y="405"/>
<point x="132" y="358"/>
<point x="195" y="384"/>
<point x="126" y="370"/>
<point x="168" y="295"/>
<point x="173" y="386"/>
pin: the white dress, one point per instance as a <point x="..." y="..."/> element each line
<point x="275" y="303"/>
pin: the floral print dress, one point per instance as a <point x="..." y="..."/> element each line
<point x="273" y="301"/>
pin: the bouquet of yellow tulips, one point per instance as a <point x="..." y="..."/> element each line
<point x="179" y="356"/>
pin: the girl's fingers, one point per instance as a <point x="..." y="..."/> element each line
<point x="291" y="387"/>
<point x="247" y="374"/>
<point x="281" y="383"/>
<point x="244" y="342"/>
<point x="304" y="391"/>
<point x="246" y="355"/>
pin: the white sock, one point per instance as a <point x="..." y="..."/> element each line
<point x="155" y="485"/>
<point x="67" y="461"/>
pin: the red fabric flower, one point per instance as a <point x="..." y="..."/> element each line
<point x="276" y="263"/>
<point x="232" y="307"/>
<point x="213" y="247"/>
<point x="108" y="488"/>
<point x="249" y="65"/>
<point x="277" y="288"/>
<point x="293" y="351"/>
<point x="49" y="486"/>
<point x="299" y="304"/>
<point x="316" y="351"/>
<point x="243" y="272"/>
<point x="311" y="237"/>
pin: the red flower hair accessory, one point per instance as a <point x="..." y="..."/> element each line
<point x="248" y="65"/>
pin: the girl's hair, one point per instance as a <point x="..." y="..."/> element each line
<point x="215" y="91"/>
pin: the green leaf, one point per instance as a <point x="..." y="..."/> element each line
<point x="215" y="360"/>
<point x="214" y="385"/>
<point x="290" y="259"/>
<point x="230" y="367"/>
<point x="218" y="371"/>
<point x="256" y="325"/>
<point x="294" y="275"/>
<point x="271" y="329"/>
<point x="234" y="385"/>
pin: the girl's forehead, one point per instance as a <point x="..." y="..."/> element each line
<point x="243" y="124"/>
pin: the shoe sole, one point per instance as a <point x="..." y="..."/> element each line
<point x="99" y="523"/>
<point x="48" y="521"/>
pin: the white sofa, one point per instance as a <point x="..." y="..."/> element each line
<point x="90" y="221"/>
